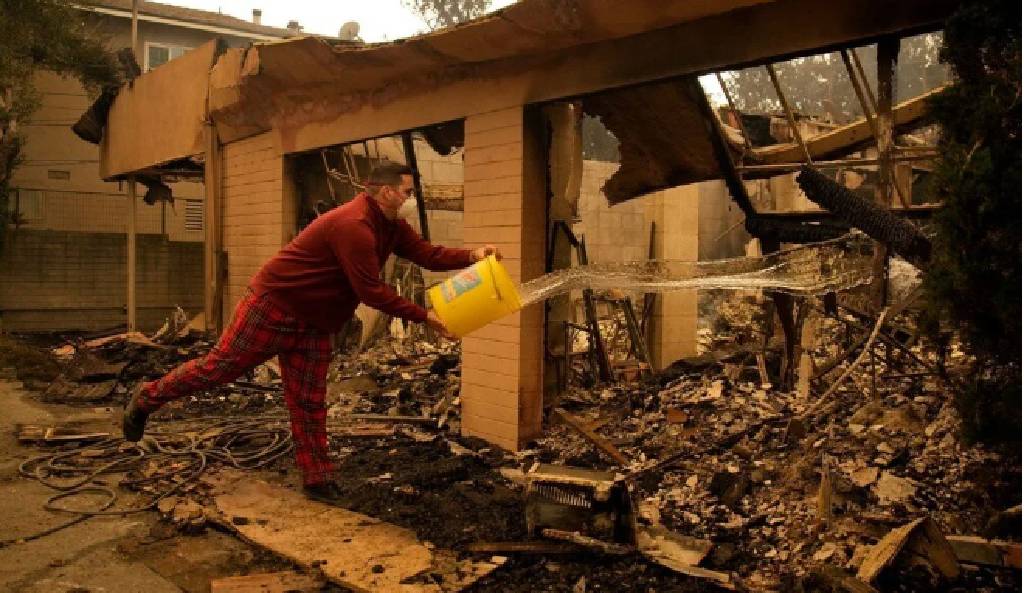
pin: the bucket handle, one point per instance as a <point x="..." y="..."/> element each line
<point x="494" y="280"/>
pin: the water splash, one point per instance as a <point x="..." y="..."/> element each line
<point x="814" y="269"/>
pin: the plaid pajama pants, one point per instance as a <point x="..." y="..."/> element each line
<point x="258" y="331"/>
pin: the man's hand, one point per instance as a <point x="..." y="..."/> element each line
<point x="435" y="323"/>
<point x="482" y="252"/>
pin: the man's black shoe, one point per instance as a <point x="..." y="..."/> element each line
<point x="133" y="423"/>
<point x="327" y="492"/>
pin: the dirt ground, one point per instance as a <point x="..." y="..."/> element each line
<point x="452" y="501"/>
<point x="447" y="500"/>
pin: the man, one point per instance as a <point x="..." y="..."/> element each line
<point x="302" y="295"/>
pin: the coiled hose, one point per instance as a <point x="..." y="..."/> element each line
<point x="247" y="443"/>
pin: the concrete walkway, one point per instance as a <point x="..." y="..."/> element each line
<point x="133" y="554"/>
<point x="82" y="557"/>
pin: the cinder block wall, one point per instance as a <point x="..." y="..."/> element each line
<point x="722" y="234"/>
<point x="502" y="364"/>
<point x="445" y="229"/>
<point x="255" y="211"/>
<point x="618" y="233"/>
<point x="60" y="280"/>
<point x="676" y="215"/>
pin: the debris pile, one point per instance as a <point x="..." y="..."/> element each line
<point x="858" y="482"/>
<point x="410" y="380"/>
<point x="22" y="361"/>
<point x="737" y="320"/>
<point x="102" y="369"/>
<point x="788" y="487"/>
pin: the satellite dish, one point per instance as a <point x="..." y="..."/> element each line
<point x="349" y="31"/>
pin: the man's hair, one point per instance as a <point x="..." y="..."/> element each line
<point x="386" y="173"/>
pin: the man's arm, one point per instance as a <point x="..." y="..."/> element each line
<point x="354" y="246"/>
<point x="432" y="257"/>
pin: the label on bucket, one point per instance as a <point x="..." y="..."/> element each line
<point x="460" y="283"/>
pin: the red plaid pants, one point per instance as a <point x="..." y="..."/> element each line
<point x="258" y="331"/>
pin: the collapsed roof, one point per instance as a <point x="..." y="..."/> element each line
<point x="311" y="93"/>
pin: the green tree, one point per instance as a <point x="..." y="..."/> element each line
<point x="974" y="280"/>
<point x="41" y="35"/>
<point x="439" y="14"/>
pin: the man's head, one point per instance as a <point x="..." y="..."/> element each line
<point x="391" y="185"/>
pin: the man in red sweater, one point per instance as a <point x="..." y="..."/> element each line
<point x="298" y="299"/>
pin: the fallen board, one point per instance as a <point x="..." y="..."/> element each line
<point x="845" y="137"/>
<point x="525" y="547"/>
<point x="28" y="433"/>
<point x="597" y="440"/>
<point x="924" y="539"/>
<point x="977" y="550"/>
<point x="271" y="582"/>
<point x="679" y="553"/>
<point x="374" y="431"/>
<point x="350" y="549"/>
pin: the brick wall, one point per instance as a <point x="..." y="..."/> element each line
<point x="58" y="280"/>
<point x="502" y="364"/>
<point x="695" y="222"/>
<point x="256" y="211"/>
<point x="613" y="233"/>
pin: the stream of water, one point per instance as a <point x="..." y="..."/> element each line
<point x="807" y="270"/>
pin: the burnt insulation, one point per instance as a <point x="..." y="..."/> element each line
<point x="872" y="218"/>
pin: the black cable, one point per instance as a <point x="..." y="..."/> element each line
<point x="247" y="443"/>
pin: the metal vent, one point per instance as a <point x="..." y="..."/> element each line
<point x="193" y="215"/>
<point x="569" y="495"/>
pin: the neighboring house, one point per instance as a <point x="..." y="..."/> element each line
<point x="63" y="263"/>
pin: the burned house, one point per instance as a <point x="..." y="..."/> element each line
<point x="577" y="445"/>
<point x="508" y="91"/>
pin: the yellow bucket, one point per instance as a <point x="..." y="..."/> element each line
<point x="474" y="297"/>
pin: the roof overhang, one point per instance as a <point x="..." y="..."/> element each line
<point x="149" y="18"/>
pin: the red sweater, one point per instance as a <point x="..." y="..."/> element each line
<point x="335" y="263"/>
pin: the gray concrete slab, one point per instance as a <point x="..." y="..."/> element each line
<point x="119" y="554"/>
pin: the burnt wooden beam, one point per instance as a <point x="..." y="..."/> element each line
<point x="598" y="441"/>
<point x="410" y="160"/>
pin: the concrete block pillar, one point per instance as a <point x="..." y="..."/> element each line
<point x="505" y="204"/>
<point x="258" y="210"/>
<point x="674" y="328"/>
